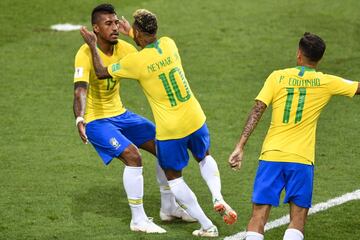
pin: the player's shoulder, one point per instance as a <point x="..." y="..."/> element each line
<point x="285" y="71"/>
<point x="276" y="73"/>
<point x="125" y="46"/>
<point x="167" y="40"/>
<point x="84" y="51"/>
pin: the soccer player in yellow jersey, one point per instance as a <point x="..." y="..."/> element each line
<point x="180" y="121"/>
<point x="297" y="96"/>
<point x="114" y="131"/>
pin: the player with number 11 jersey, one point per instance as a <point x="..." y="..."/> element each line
<point x="297" y="96"/>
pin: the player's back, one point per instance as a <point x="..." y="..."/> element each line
<point x="298" y="96"/>
<point x="158" y="68"/>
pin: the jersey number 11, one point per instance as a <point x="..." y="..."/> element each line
<point x="300" y="106"/>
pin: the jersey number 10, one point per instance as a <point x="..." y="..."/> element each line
<point x="300" y="106"/>
<point x="175" y="87"/>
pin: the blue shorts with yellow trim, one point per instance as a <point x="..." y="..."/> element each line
<point x="111" y="136"/>
<point x="173" y="154"/>
<point x="272" y="177"/>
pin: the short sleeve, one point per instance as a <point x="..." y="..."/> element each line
<point x="268" y="90"/>
<point x="82" y="67"/>
<point x="341" y="86"/>
<point x="128" y="67"/>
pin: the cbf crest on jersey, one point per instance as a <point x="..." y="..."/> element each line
<point x="114" y="143"/>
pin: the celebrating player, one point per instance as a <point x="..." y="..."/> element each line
<point x="297" y="96"/>
<point x="180" y="121"/>
<point x="114" y="131"/>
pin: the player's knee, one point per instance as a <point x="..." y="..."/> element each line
<point x="131" y="156"/>
<point x="172" y="174"/>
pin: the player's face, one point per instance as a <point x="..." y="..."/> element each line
<point x="107" y="28"/>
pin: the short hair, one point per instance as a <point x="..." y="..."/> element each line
<point x="145" y="21"/>
<point x="312" y="46"/>
<point x="101" y="9"/>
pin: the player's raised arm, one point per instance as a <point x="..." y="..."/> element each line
<point x="91" y="40"/>
<point x="80" y="91"/>
<point x="254" y="117"/>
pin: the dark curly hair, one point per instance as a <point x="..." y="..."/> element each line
<point x="312" y="46"/>
<point x="145" y="21"/>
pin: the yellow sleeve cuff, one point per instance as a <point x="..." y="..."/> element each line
<point x="131" y="33"/>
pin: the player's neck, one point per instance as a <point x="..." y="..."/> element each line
<point x="105" y="47"/>
<point x="148" y="41"/>
<point x="309" y="65"/>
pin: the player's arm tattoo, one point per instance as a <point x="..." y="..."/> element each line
<point x="80" y="91"/>
<point x="100" y="70"/>
<point x="253" y="119"/>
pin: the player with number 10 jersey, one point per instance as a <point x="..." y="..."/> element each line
<point x="159" y="71"/>
<point x="180" y="121"/>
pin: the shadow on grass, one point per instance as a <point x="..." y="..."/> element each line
<point x="106" y="201"/>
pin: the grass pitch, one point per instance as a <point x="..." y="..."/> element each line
<point x="53" y="187"/>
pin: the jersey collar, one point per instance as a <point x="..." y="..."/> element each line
<point x="303" y="69"/>
<point x="155" y="45"/>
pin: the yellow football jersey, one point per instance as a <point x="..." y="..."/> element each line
<point x="297" y="96"/>
<point x="158" y="69"/>
<point x="103" y="96"/>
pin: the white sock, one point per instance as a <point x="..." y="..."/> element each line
<point x="210" y="173"/>
<point x="167" y="198"/>
<point x="189" y="202"/>
<point x="254" y="236"/>
<point x="293" y="234"/>
<point x="134" y="187"/>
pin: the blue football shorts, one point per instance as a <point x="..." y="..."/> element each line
<point x="272" y="177"/>
<point x="173" y="154"/>
<point x="111" y="136"/>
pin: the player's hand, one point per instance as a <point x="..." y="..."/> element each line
<point x="236" y="158"/>
<point x="89" y="37"/>
<point x="81" y="129"/>
<point x="124" y="26"/>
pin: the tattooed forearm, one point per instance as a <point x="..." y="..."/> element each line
<point x="80" y="90"/>
<point x="254" y="117"/>
<point x="100" y="70"/>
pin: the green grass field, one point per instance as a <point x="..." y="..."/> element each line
<point x="54" y="187"/>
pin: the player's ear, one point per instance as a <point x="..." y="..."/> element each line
<point x="298" y="55"/>
<point x="96" y="28"/>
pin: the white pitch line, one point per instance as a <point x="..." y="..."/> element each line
<point x="355" y="195"/>
<point x="65" y="27"/>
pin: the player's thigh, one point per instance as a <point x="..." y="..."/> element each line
<point x="199" y="142"/>
<point x="299" y="184"/>
<point x="172" y="154"/>
<point x="268" y="183"/>
<point x="136" y="128"/>
<point x="107" y="139"/>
